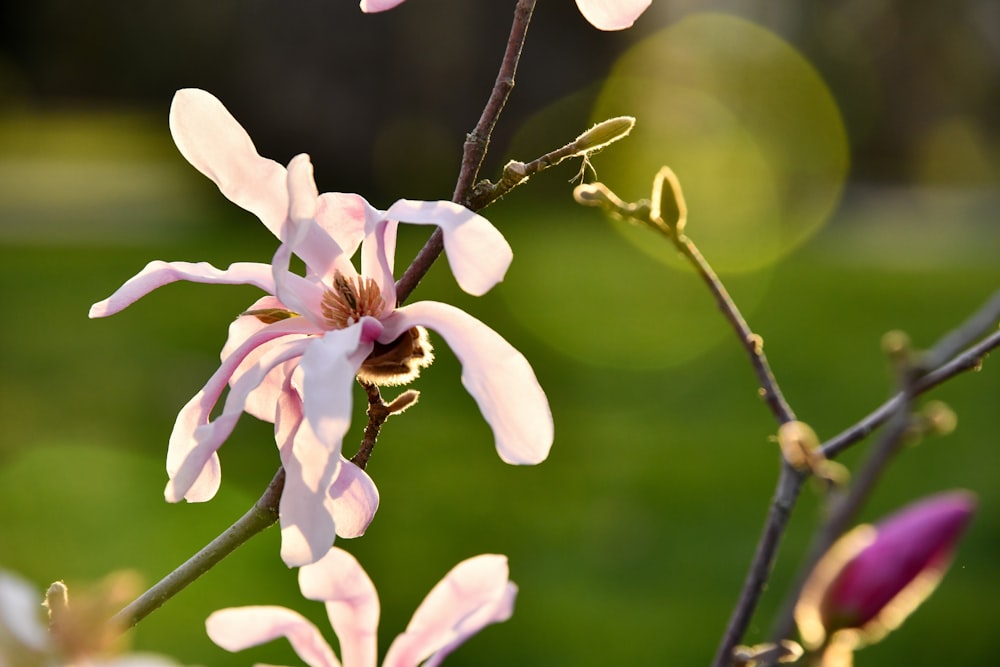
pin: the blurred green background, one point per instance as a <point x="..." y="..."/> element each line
<point x="841" y="162"/>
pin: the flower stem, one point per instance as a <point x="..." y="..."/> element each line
<point x="476" y="144"/>
<point x="263" y="514"/>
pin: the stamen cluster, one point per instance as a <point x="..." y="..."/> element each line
<point x="350" y="300"/>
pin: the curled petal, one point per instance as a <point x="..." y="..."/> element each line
<point x="474" y="594"/>
<point x="238" y="628"/>
<point x="299" y="294"/>
<point x="355" y="500"/>
<point x="351" y="603"/>
<point x="262" y="401"/>
<point x="343" y="217"/>
<point x="612" y="14"/>
<point x="158" y="273"/>
<point x="372" y="6"/>
<point x="494" y="373"/>
<point x="377" y="257"/>
<point x="191" y="459"/>
<point x="478" y="254"/>
<point x="210" y="139"/>
<point x="305" y="236"/>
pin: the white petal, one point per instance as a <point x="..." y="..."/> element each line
<point x="351" y="604"/>
<point x="237" y="628"/>
<point x="478" y="254"/>
<point x="158" y="273"/>
<point x="21" y="613"/>
<point x="308" y="239"/>
<point x="475" y="593"/>
<point x="494" y="373"/>
<point x="306" y="510"/>
<point x="191" y="459"/>
<point x="612" y="14"/>
<point x="355" y="500"/>
<point x="218" y="146"/>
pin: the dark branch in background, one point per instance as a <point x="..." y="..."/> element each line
<point x="476" y="144"/>
<point x="943" y="362"/>
<point x="263" y="513"/>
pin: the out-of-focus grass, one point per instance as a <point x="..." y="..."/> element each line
<point x="628" y="544"/>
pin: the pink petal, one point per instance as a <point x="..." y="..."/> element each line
<point x="351" y="603"/>
<point x="191" y="459"/>
<point x="237" y="628"/>
<point x="299" y="294"/>
<point x="216" y="145"/>
<point x="496" y="374"/>
<point x="355" y="500"/>
<point x="306" y="510"/>
<point x="328" y="368"/>
<point x="478" y="254"/>
<point x="612" y="14"/>
<point x="158" y="273"/>
<point x="343" y="217"/>
<point x="372" y="6"/>
<point x="262" y="401"/>
<point x="377" y="257"/>
<point x="475" y="593"/>
<point x="310" y="241"/>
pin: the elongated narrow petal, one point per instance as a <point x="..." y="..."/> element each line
<point x="372" y="6"/>
<point x="158" y="273"/>
<point x="306" y="513"/>
<point x="355" y="500"/>
<point x="612" y="14"/>
<point x="474" y="594"/>
<point x="238" y="628"/>
<point x="494" y="373"/>
<point x="210" y="139"/>
<point x="478" y="254"/>
<point x="351" y="603"/>
<point x="328" y="368"/>
<point x="191" y="459"/>
<point x="377" y="257"/>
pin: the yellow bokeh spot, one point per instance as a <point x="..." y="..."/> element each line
<point x="747" y="124"/>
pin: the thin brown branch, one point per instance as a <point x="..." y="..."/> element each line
<point x="263" y="514"/>
<point x="378" y="412"/>
<point x="476" y="144"/>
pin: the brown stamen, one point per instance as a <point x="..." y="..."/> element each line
<point x="350" y="300"/>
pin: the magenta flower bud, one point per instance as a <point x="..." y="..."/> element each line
<point x="875" y="576"/>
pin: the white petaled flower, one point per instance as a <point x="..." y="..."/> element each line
<point x="475" y="593"/>
<point x="74" y="635"/>
<point x="602" y="14"/>
<point x="292" y="357"/>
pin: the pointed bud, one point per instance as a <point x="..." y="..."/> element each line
<point x="875" y="576"/>
<point x="604" y="133"/>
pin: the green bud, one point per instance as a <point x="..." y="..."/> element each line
<point x="603" y="134"/>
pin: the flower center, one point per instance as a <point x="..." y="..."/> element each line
<point x="350" y="300"/>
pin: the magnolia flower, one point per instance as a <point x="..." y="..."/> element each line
<point x="73" y="635"/>
<point x="474" y="594"/>
<point x="602" y="14"/>
<point x="875" y="576"/>
<point x="292" y="357"/>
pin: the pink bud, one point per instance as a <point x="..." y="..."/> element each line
<point x="875" y="576"/>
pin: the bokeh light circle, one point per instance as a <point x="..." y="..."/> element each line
<point x="747" y="124"/>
